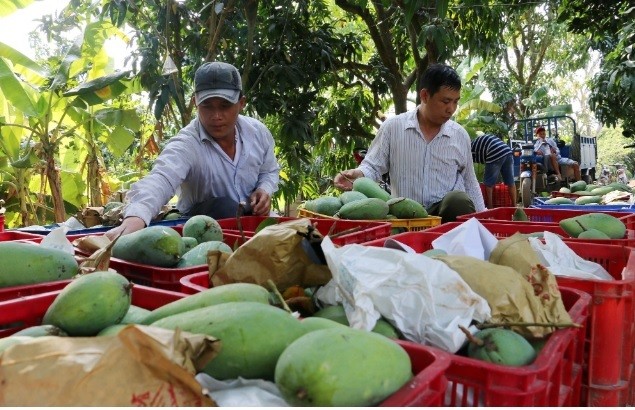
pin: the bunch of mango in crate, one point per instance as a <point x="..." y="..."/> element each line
<point x="258" y="339"/>
<point x="163" y="246"/>
<point x="594" y="225"/>
<point x="614" y="193"/>
<point x="367" y="200"/>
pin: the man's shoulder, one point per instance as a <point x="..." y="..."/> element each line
<point x="452" y="128"/>
<point x="251" y="125"/>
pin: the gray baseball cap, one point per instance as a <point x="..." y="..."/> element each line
<point x="217" y="79"/>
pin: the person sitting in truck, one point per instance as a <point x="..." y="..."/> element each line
<point x="549" y="149"/>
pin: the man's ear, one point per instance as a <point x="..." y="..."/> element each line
<point x="424" y="95"/>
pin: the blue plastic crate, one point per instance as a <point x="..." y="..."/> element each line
<point x="87" y="231"/>
<point x="540" y="203"/>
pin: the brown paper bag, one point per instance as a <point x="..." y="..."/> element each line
<point x="274" y="253"/>
<point x="140" y="366"/>
<point x="517" y="253"/>
<point x="510" y="296"/>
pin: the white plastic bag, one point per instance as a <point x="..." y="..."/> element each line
<point x="57" y="239"/>
<point x="241" y="392"/>
<point x="470" y="238"/>
<point x="422" y="297"/>
<point x="563" y="261"/>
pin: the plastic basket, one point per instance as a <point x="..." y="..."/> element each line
<point x="540" y="203"/>
<point x="13" y="235"/>
<point x="341" y="231"/>
<point x="410" y="225"/>
<point x="610" y="333"/>
<point x="553" y="379"/>
<point x="1" y="222"/>
<point x="195" y="282"/>
<point x="15" y="292"/>
<point x="101" y="229"/>
<point x="16" y="314"/>
<point x="156" y="276"/>
<point x="163" y="278"/>
<point x="503" y="230"/>
<point x="500" y="195"/>
<point x="535" y="215"/>
<point x="429" y="383"/>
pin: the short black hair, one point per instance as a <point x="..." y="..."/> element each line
<point x="439" y="75"/>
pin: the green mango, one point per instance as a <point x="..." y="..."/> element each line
<point x="231" y="292"/>
<point x="253" y="336"/>
<point x="154" y="245"/>
<point x="370" y="188"/>
<point x="502" y="346"/>
<point x="90" y="303"/>
<point x="204" y="228"/>
<point x="341" y="367"/>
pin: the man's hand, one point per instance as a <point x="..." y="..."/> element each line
<point x="129" y="225"/>
<point x="344" y="180"/>
<point x="260" y="202"/>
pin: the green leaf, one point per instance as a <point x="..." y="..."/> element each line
<point x="61" y="77"/>
<point x="13" y="91"/>
<point x="17" y="58"/>
<point x="7" y="7"/>
<point x="119" y="140"/>
<point x="100" y="89"/>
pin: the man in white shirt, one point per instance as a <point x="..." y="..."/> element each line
<point x="427" y="155"/>
<point x="214" y="163"/>
<point x="549" y="149"/>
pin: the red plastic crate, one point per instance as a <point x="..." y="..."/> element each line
<point x="500" y="195"/>
<point x="160" y="277"/>
<point x="535" y="215"/>
<point x="610" y="334"/>
<point x="1" y="222"/>
<point x="195" y="282"/>
<point x="16" y="314"/>
<point x="553" y="379"/>
<point x="13" y="235"/>
<point x="503" y="230"/>
<point x="349" y="231"/>
<point x="425" y="389"/>
<point x="14" y="292"/>
<point x="429" y="383"/>
<point x="629" y="220"/>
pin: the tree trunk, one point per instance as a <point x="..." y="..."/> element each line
<point x="55" y="184"/>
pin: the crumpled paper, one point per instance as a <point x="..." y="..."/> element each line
<point x="470" y="238"/>
<point x="140" y="366"/>
<point x="563" y="261"/>
<point x="56" y="239"/>
<point x="422" y="297"/>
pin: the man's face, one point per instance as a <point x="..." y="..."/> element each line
<point x="440" y="107"/>
<point x="219" y="116"/>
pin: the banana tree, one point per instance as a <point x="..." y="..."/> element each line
<point x="53" y="105"/>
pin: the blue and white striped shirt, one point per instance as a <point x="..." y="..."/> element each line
<point x="421" y="170"/>
<point x="193" y="166"/>
<point x="489" y="148"/>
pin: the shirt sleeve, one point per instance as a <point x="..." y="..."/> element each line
<point x="269" y="175"/>
<point x="377" y="162"/>
<point x="147" y="196"/>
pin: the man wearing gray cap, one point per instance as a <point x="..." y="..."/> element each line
<point x="218" y="160"/>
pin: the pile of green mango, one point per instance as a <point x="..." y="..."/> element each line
<point x="314" y="361"/>
<point x="163" y="246"/>
<point x="594" y="225"/>
<point x="367" y="201"/>
<point x="588" y="194"/>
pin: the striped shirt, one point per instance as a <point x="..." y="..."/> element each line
<point x="489" y="148"/>
<point x="421" y="170"/>
<point x="193" y="166"/>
